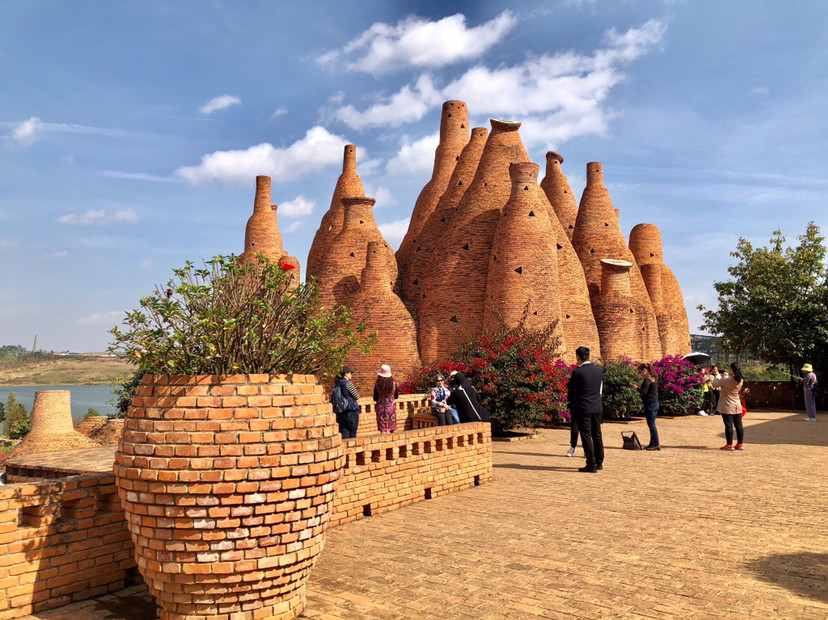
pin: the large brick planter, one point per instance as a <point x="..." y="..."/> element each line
<point x="227" y="484"/>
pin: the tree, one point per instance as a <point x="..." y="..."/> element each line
<point x="775" y="304"/>
<point x="18" y="420"/>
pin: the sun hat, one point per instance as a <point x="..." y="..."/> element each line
<point x="384" y="371"/>
<point x="808" y="368"/>
<point x="346" y="370"/>
<point x="453" y="372"/>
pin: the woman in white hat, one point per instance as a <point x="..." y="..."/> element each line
<point x="385" y="393"/>
<point x="809" y="385"/>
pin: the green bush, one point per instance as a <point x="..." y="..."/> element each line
<point x="232" y="317"/>
<point x="18" y="420"/>
<point x="620" y="397"/>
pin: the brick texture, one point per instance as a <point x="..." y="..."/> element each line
<point x="454" y="312"/>
<point x="226" y="483"/>
<point x="663" y="288"/>
<point x="348" y="184"/>
<point x="454" y="135"/>
<point x="261" y="236"/>
<point x="557" y="189"/>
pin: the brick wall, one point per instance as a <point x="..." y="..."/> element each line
<point x="779" y="395"/>
<point x="60" y="541"/>
<point x="66" y="539"/>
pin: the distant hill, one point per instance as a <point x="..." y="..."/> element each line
<point x="64" y="370"/>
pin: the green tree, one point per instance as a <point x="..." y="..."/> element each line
<point x="18" y="420"/>
<point x="774" y="306"/>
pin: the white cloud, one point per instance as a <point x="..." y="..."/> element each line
<point x="138" y="176"/>
<point x="279" y="112"/>
<point x="98" y="217"/>
<point x="298" y="207"/>
<point x="393" y="232"/>
<point x="316" y="150"/>
<point x="293" y="227"/>
<point x="414" y="158"/>
<point x="145" y="264"/>
<point x="26" y="132"/>
<point x="382" y="195"/>
<point x="98" y="319"/>
<point x="60" y="254"/>
<point x="407" y="105"/>
<point x="414" y="41"/>
<point x="219" y="103"/>
<point x="760" y="90"/>
<point x="8" y="242"/>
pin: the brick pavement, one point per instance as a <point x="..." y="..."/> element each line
<point x="688" y="532"/>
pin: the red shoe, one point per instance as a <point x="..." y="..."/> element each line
<point x="726" y="447"/>
<point x="738" y="446"/>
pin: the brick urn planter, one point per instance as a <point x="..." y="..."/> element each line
<point x="227" y="484"/>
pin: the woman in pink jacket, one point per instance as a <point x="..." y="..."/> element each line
<point x="730" y="406"/>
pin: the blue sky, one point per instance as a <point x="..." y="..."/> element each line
<point x="131" y="132"/>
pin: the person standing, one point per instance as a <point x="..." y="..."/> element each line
<point x="385" y="395"/>
<point x="648" y="388"/>
<point x="730" y="406"/>
<point x="348" y="419"/>
<point x="809" y="386"/>
<point x="584" y="390"/>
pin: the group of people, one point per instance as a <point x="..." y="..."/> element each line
<point x="451" y="402"/>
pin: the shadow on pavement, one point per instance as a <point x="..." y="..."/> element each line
<point x="537" y="467"/>
<point x="804" y="573"/>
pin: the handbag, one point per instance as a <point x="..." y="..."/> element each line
<point x="744" y="405"/>
<point x="630" y="441"/>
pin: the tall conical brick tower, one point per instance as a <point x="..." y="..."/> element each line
<point x="418" y="276"/>
<point x="376" y="305"/>
<point x="579" y="328"/>
<point x="347" y="185"/>
<point x="523" y="266"/>
<point x="261" y="236"/>
<point x="454" y="135"/>
<point x="557" y="189"/>
<point x="663" y="287"/>
<point x="454" y="312"/>
<point x="598" y="236"/>
<point x="624" y="323"/>
<point x="344" y="261"/>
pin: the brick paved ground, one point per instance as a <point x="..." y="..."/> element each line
<point x="686" y="532"/>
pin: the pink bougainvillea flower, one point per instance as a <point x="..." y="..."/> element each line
<point x="286" y="266"/>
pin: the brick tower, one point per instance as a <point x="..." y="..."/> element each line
<point x="598" y="236"/>
<point x="624" y="323"/>
<point x="417" y="277"/>
<point x="455" y="311"/>
<point x="376" y="305"/>
<point x="52" y="428"/>
<point x="523" y="266"/>
<point x="454" y="135"/>
<point x="579" y="328"/>
<point x="347" y="185"/>
<point x="663" y="287"/>
<point x="557" y="189"/>
<point x="261" y="236"/>
<point x="344" y="261"/>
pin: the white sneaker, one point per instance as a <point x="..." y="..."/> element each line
<point x="703" y="413"/>
<point x="570" y="452"/>
<point x="810" y="419"/>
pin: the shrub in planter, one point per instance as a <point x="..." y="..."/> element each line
<point x="680" y="386"/>
<point x="621" y="400"/>
<point x="227" y="434"/>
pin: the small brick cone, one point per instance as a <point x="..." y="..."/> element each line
<point x="663" y="288"/>
<point x="624" y="323"/>
<point x="454" y="135"/>
<point x="342" y="268"/>
<point x="523" y="266"/>
<point x="557" y="189"/>
<point x="348" y="184"/>
<point x="418" y="275"/>
<point x="383" y="311"/>
<point x="453" y="312"/>
<point x="52" y="428"/>
<point x="261" y="236"/>
<point x="598" y="236"/>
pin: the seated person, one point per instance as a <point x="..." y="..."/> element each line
<point x="439" y="407"/>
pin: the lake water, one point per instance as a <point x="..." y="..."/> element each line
<point x="83" y="397"/>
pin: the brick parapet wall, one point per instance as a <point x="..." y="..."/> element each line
<point x="61" y="541"/>
<point x="385" y="472"/>
<point x="65" y="539"/>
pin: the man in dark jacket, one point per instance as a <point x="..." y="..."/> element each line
<point x="584" y="397"/>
